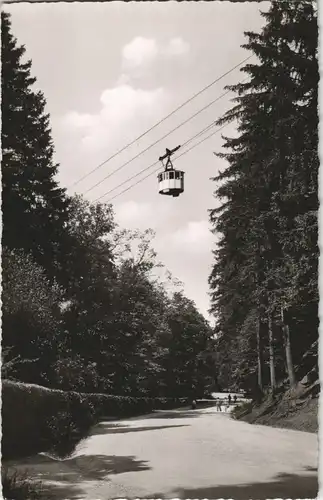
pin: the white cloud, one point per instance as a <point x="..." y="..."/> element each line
<point x="177" y="47"/>
<point x="195" y="237"/>
<point x="124" y="79"/>
<point x="79" y="120"/>
<point x="124" y="109"/>
<point x="121" y="102"/>
<point x="132" y="214"/>
<point x="139" y="51"/>
<point x="143" y="51"/>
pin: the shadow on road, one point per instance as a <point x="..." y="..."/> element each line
<point x="177" y="414"/>
<point x="283" y="486"/>
<point x="69" y="473"/>
<point x="122" y="429"/>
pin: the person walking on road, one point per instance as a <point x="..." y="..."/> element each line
<point x="229" y="399"/>
<point x="218" y="405"/>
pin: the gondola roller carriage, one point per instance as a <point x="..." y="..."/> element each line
<point x="171" y="181"/>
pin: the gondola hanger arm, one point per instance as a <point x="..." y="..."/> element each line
<point x="169" y="153"/>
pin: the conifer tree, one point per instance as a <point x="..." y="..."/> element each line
<point x="34" y="207"/>
<point x="270" y="189"/>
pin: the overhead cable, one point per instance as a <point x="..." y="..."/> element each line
<point x="155" y="171"/>
<point x="160" y="121"/>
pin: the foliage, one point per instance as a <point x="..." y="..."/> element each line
<point x="55" y="421"/>
<point x="85" y="306"/>
<point x="264" y="278"/>
<point x="88" y="258"/>
<point x="74" y="373"/>
<point x="72" y="421"/>
<point x="34" y="207"/>
<point x="30" y="317"/>
<point x="17" y="486"/>
<point x="186" y="362"/>
<point x="241" y="410"/>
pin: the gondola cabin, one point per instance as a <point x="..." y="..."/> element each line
<point x="171" y="182"/>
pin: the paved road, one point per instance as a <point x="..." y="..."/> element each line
<point x="185" y="454"/>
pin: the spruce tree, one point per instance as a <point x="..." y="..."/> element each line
<point x="270" y="189"/>
<point x="34" y="207"/>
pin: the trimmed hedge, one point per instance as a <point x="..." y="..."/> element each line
<point x="36" y="419"/>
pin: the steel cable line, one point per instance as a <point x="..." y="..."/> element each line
<point x="156" y="162"/>
<point x="160" y="121"/>
<point x="151" y="173"/>
<point x="208" y="127"/>
<point x="155" y="171"/>
<point x="156" y="142"/>
<point x="166" y="135"/>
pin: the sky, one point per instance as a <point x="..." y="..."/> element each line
<point x="109" y="72"/>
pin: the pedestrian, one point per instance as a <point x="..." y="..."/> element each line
<point x="193" y="404"/>
<point x="229" y="399"/>
<point x="235" y="399"/>
<point x="219" y="407"/>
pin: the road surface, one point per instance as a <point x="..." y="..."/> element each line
<point x="184" y="454"/>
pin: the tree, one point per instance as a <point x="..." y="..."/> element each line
<point x="134" y="349"/>
<point x="112" y="324"/>
<point x="31" y="319"/>
<point x="89" y="280"/>
<point x="190" y="370"/>
<point x="72" y="373"/>
<point x="88" y="250"/>
<point x="34" y="207"/>
<point x="268" y="188"/>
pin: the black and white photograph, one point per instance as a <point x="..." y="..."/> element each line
<point x="160" y="250"/>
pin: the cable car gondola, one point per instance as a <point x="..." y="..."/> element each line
<point x="171" y="181"/>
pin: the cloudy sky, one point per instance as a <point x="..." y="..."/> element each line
<point x="110" y="71"/>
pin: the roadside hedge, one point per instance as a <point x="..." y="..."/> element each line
<point x="37" y="419"/>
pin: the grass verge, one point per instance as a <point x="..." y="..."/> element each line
<point x="241" y="410"/>
<point x="17" y="486"/>
<point x="293" y="409"/>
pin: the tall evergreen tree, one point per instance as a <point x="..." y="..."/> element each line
<point x="34" y="207"/>
<point x="266" y="263"/>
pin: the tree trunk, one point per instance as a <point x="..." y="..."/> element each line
<point x="288" y="349"/>
<point x="271" y="354"/>
<point x="260" y="357"/>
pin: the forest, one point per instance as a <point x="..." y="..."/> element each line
<point x="264" y="280"/>
<point x="94" y="326"/>
<point x="85" y="306"/>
